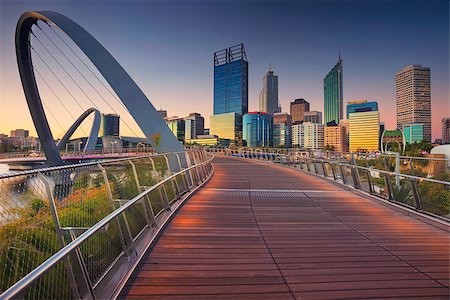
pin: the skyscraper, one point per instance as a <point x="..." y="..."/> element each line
<point x="231" y="80"/>
<point x="364" y="126"/>
<point x="446" y="130"/>
<point x="298" y="108"/>
<point x="335" y="136"/>
<point x="333" y="94"/>
<point x="194" y="126"/>
<point x="257" y="129"/>
<point x="413" y="91"/>
<point x="268" y="97"/>
<point x="177" y="126"/>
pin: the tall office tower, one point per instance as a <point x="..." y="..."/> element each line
<point x="413" y="132"/>
<point x="268" y="97"/>
<point x="313" y="116"/>
<point x="194" y="125"/>
<point x="110" y="125"/>
<point x="298" y="109"/>
<point x="257" y="129"/>
<point x="308" y="136"/>
<point x="227" y="126"/>
<point x="364" y="126"/>
<point x="334" y="136"/>
<point x="231" y="81"/>
<point x="333" y="94"/>
<point x="177" y="125"/>
<point x="282" y="127"/>
<point x="163" y="113"/>
<point x="413" y="91"/>
<point x="446" y="130"/>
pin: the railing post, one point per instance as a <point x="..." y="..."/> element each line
<point x="79" y="281"/>
<point x="416" y="194"/>
<point x="333" y="172"/>
<point x="343" y="174"/>
<point x="150" y="218"/>
<point x="369" y="181"/>
<point x="356" y="178"/>
<point x="325" y="173"/>
<point x="388" y="187"/>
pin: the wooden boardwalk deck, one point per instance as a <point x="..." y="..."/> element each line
<point x="261" y="231"/>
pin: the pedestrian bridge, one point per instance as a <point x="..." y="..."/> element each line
<point x="242" y="228"/>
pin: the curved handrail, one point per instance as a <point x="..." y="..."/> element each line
<point x="17" y="288"/>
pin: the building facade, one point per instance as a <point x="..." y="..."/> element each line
<point x="364" y="132"/>
<point x="268" y="97"/>
<point x="297" y="110"/>
<point x="177" y="126"/>
<point x="110" y="125"/>
<point x="231" y="81"/>
<point x="20" y="133"/>
<point x="413" y="132"/>
<point x="313" y="116"/>
<point x="282" y="128"/>
<point x="413" y="93"/>
<point x="162" y="113"/>
<point x="446" y="130"/>
<point x="335" y="137"/>
<point x="361" y="106"/>
<point x="227" y="126"/>
<point x="333" y="94"/>
<point x="257" y="129"/>
<point x="308" y="136"/>
<point x="194" y="125"/>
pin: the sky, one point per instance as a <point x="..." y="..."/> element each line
<point x="167" y="48"/>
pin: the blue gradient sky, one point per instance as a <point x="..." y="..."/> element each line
<point x="167" y="47"/>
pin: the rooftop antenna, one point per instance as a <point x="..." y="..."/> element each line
<point x="339" y="53"/>
<point x="270" y="67"/>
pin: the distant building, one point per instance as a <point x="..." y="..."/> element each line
<point x="364" y="130"/>
<point x="446" y="130"/>
<point x="413" y="92"/>
<point x="194" y="125"/>
<point x="308" y="136"/>
<point x="313" y="116"/>
<point x="20" y="133"/>
<point x="109" y="125"/>
<point x="413" y="132"/>
<point x="298" y="109"/>
<point x="177" y="126"/>
<point x="227" y="126"/>
<point x="333" y="94"/>
<point x="163" y="114"/>
<point x="268" y="97"/>
<point x="206" y="131"/>
<point x="361" y="106"/>
<point x="231" y="81"/>
<point x="282" y="128"/>
<point x="209" y="140"/>
<point x="257" y="129"/>
<point x="335" y="136"/>
<point x="346" y="126"/>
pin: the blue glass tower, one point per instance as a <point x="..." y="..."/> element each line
<point x="257" y="129"/>
<point x="231" y="81"/>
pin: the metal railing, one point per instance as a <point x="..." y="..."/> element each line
<point x="78" y="231"/>
<point x="427" y="194"/>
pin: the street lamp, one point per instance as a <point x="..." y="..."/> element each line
<point x="112" y="146"/>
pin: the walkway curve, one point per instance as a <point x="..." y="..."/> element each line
<point x="262" y="231"/>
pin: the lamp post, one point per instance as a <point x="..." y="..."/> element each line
<point x="112" y="146"/>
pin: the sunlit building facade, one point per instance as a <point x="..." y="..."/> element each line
<point x="297" y="110"/>
<point x="227" y="126"/>
<point x="257" y="128"/>
<point x="335" y="137"/>
<point x="413" y="92"/>
<point x="308" y="136"/>
<point x="364" y="130"/>
<point x="333" y="94"/>
<point x="177" y="126"/>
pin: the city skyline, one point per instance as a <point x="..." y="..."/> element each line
<point x="300" y="72"/>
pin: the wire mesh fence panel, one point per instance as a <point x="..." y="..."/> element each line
<point x="53" y="285"/>
<point x="124" y="188"/>
<point x="27" y="230"/>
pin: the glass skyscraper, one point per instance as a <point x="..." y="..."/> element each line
<point x="333" y="94"/>
<point x="268" y="97"/>
<point x="413" y="132"/>
<point x="257" y="129"/>
<point x="231" y="81"/>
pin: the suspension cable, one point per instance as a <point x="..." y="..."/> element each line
<point x="89" y="69"/>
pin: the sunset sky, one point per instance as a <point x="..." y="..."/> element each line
<point x="167" y="48"/>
